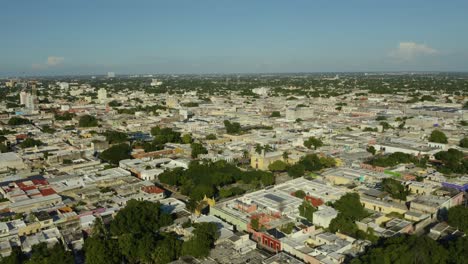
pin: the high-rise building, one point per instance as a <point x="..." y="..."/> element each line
<point x="102" y="95"/>
<point x="23" y="97"/>
<point x="110" y="75"/>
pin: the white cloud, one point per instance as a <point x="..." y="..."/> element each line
<point x="54" y="61"/>
<point x="51" y="61"/>
<point x="407" y="51"/>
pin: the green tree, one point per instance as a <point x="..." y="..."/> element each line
<point x="275" y="114"/>
<point x="16" y="121"/>
<point x="115" y="136"/>
<point x="210" y="137"/>
<point x="87" y="121"/>
<point x="255" y="224"/>
<point x="296" y="170"/>
<point x="313" y="141"/>
<point x="307" y="210"/>
<point x="371" y="149"/>
<point x="438" y="136"/>
<point x="395" y="188"/>
<point x="405" y="249"/>
<point x="57" y="254"/>
<point x="258" y="148"/>
<point x="232" y="128"/>
<point x="458" y="217"/>
<point x="116" y="153"/>
<point x="204" y="236"/>
<point x="198" y="149"/>
<point x="464" y="142"/>
<point x="277" y="165"/>
<point x="300" y="194"/>
<point x="31" y="142"/>
<point x="385" y="125"/>
<point x="187" y="139"/>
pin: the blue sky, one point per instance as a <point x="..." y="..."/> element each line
<point x="231" y="36"/>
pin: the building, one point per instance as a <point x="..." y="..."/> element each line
<point x="102" y="95"/>
<point x="324" y="216"/>
<point x="263" y="160"/>
<point x="110" y="75"/>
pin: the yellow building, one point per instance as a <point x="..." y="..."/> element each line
<point x="263" y="160"/>
<point x="383" y="206"/>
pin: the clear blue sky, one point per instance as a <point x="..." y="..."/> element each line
<point x="228" y="36"/>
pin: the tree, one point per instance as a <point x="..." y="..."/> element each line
<point x="350" y="205"/>
<point x="307" y="210"/>
<point x="296" y="170"/>
<point x="139" y="217"/>
<point x="16" y="121"/>
<point x="16" y="257"/>
<point x="452" y="161"/>
<point x="277" y="165"/>
<point x="31" y="142"/>
<point x="88" y="121"/>
<point x="187" y="139"/>
<point x="458" y="217"/>
<point x="115" y="136"/>
<point x="258" y="148"/>
<point x="198" y="149"/>
<point x="405" y="249"/>
<point x="438" y="136"/>
<point x="210" y="137"/>
<point x="286" y="156"/>
<point x="300" y="194"/>
<point x="464" y="142"/>
<point x="116" y="153"/>
<point x="381" y="118"/>
<point x="275" y="114"/>
<point x="395" y="188"/>
<point x="385" y="125"/>
<point x="57" y="254"/>
<point x="267" y="148"/>
<point x="312" y="141"/>
<point x="205" y="234"/>
<point x="371" y="149"/>
<point x="64" y="117"/>
<point x="47" y="129"/>
<point x="255" y="224"/>
<point x="232" y="128"/>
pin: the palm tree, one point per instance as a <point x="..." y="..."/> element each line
<point x="267" y="148"/>
<point x="258" y="148"/>
<point x="286" y="156"/>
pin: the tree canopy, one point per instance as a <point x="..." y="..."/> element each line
<point x="16" y="121"/>
<point x="395" y="188"/>
<point x="414" y="250"/>
<point x="116" y="153"/>
<point x="204" y="178"/>
<point x="31" y="142"/>
<point x="438" y="136"/>
<point x="87" y="121"/>
<point x="197" y="149"/>
<point x="313" y="141"/>
<point x="458" y="217"/>
<point x="453" y="161"/>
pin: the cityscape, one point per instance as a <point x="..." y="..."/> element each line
<point x="231" y="158"/>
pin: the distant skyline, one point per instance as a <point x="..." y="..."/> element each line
<point x="213" y="36"/>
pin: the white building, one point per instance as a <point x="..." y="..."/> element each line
<point x="63" y="85"/>
<point x="261" y="91"/>
<point x="324" y="216"/>
<point x="102" y="95"/>
<point x="155" y="82"/>
<point x="110" y="75"/>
